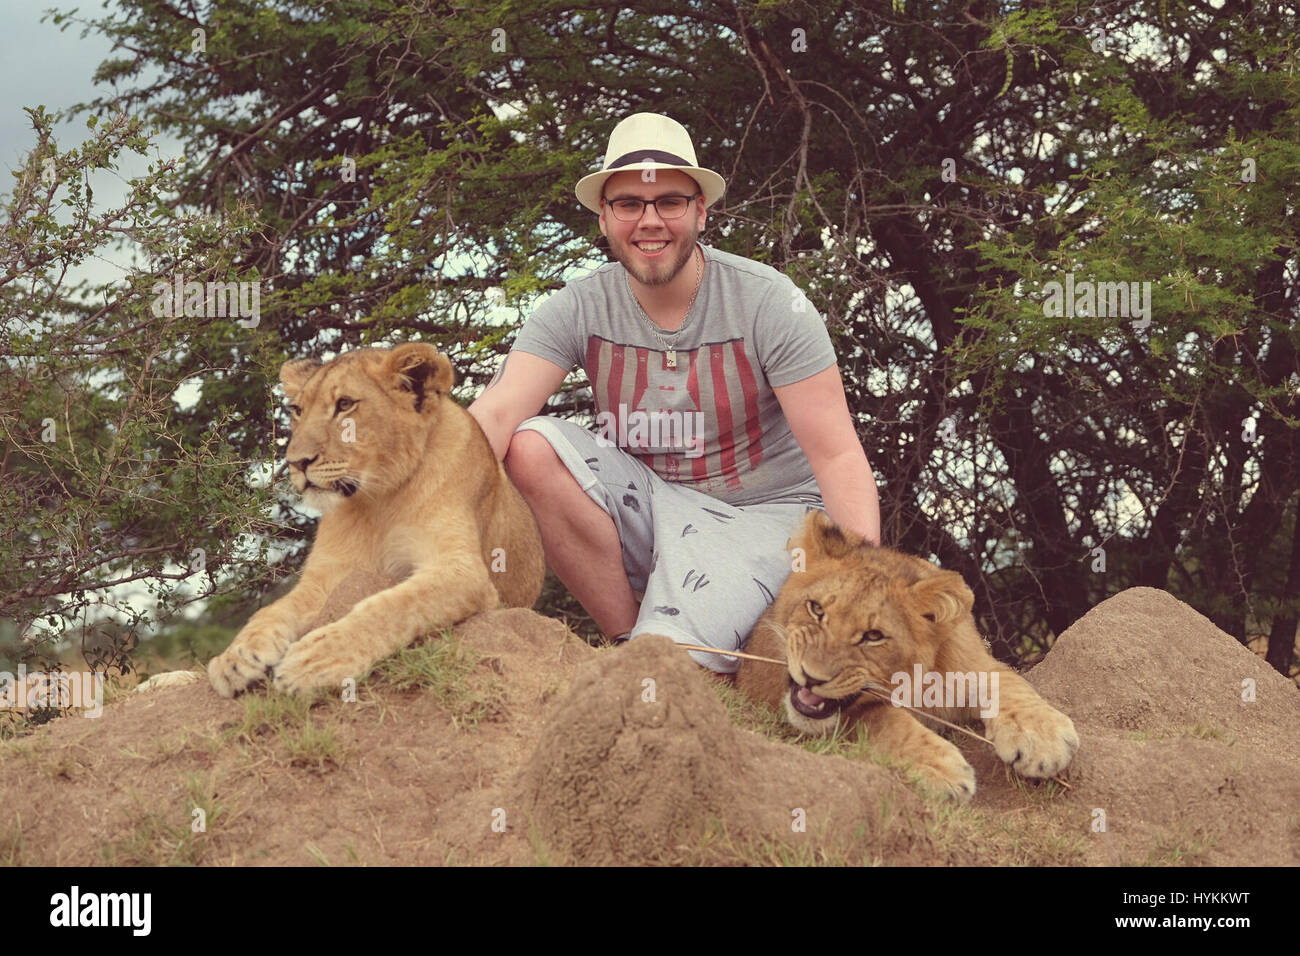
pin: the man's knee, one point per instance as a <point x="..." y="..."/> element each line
<point x="530" y="460"/>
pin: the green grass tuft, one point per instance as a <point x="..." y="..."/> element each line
<point x="11" y="843"/>
<point x="445" y="668"/>
<point x="312" y="747"/>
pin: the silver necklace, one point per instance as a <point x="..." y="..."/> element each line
<point x="670" y="348"/>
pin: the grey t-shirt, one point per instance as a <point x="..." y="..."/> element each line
<point x="712" y="423"/>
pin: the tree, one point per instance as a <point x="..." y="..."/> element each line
<point x="923" y="173"/>
<point x="106" y="479"/>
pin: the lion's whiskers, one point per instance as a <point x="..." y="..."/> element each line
<point x="372" y="484"/>
<point x="778" y="629"/>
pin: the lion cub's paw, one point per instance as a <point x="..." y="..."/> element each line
<point x="1037" y="741"/>
<point x="246" y="662"/>
<point x="944" y="771"/>
<point x="324" y="658"/>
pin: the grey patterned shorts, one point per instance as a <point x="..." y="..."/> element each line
<point x="707" y="569"/>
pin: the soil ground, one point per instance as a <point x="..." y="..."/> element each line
<point x="512" y="741"/>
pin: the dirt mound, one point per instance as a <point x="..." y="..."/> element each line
<point x="640" y="763"/>
<point x="1188" y="739"/>
<point x="1143" y="660"/>
<point x="353" y="588"/>
<point x="636" y="758"/>
<point x="514" y="742"/>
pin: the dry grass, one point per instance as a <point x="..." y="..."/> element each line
<point x="1180" y="846"/>
<point x="11" y="842"/>
<point x="172" y="834"/>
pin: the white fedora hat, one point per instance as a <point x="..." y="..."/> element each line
<point x="649" y="141"/>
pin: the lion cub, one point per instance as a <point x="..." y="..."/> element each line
<point x="411" y="491"/>
<point x="860" y="615"/>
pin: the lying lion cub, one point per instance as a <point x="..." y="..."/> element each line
<point x="860" y="615"/>
<point x="411" y="490"/>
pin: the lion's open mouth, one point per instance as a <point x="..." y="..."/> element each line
<point x="346" y="487"/>
<point x="813" y="705"/>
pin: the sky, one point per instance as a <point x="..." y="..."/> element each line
<point x="42" y="64"/>
<point x="39" y="65"/>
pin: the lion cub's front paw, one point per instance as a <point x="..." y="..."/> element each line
<point x="323" y="658"/>
<point x="944" y="771"/>
<point x="1038" y="741"/>
<point x="245" y="662"/>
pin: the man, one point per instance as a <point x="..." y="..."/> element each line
<point x="716" y="377"/>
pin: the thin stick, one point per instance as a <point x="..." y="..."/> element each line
<point x="714" y="650"/>
<point x="871" y="689"/>
<point x="876" y="692"/>
<point x="883" y="695"/>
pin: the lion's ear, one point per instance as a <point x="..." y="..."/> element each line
<point x="822" y="537"/>
<point x="943" y="596"/>
<point x="421" y="369"/>
<point x="294" y="374"/>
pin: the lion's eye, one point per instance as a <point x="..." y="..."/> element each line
<point x="815" y="610"/>
<point x="295" y="411"/>
<point x="344" y="405"/>
<point x="872" y="638"/>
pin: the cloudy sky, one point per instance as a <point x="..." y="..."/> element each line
<point x="41" y="65"/>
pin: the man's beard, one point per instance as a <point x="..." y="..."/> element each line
<point x="646" y="272"/>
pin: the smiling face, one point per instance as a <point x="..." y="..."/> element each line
<point x="653" y="249"/>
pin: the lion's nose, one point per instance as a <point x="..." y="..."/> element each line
<point x="302" y="463"/>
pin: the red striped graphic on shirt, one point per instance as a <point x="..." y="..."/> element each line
<point x="700" y="466"/>
<point x="749" y="387"/>
<point x="728" y="385"/>
<point x="722" y="404"/>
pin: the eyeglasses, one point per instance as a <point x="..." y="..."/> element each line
<point x="668" y="207"/>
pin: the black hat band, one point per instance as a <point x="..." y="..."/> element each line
<point x="648" y="156"/>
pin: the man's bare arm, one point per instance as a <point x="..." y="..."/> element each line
<point x="518" y="390"/>
<point x="818" y="414"/>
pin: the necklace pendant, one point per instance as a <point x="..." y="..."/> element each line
<point x="670" y="358"/>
